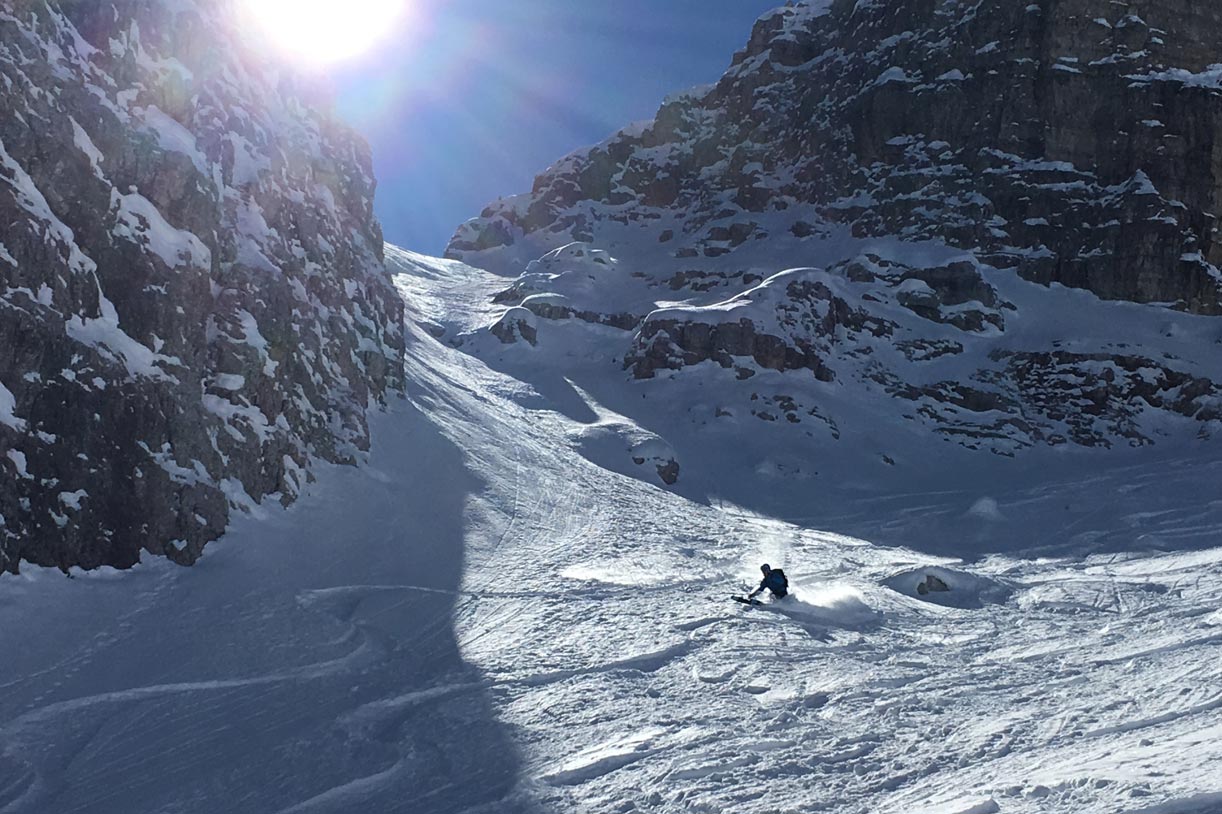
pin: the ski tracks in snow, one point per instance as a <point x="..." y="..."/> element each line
<point x="484" y="620"/>
<point x="600" y="619"/>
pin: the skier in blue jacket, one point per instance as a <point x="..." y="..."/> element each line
<point x="774" y="580"/>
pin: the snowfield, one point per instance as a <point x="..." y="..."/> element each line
<point x="500" y="611"/>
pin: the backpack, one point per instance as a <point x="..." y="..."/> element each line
<point x="776" y="580"/>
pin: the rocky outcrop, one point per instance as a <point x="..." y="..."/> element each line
<point x="882" y="211"/>
<point x="787" y="323"/>
<point x="193" y="306"/>
<point x="1075" y="141"/>
<point x="516" y="324"/>
<point x="1059" y="397"/>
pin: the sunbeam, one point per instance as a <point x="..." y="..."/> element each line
<point x="324" y="32"/>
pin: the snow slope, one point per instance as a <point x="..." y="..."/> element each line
<point x="500" y="611"/>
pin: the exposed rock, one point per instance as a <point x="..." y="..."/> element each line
<point x="656" y="453"/>
<point x="932" y="584"/>
<point x="921" y="350"/>
<point x="1088" y="155"/>
<point x="669" y="472"/>
<point x="560" y="285"/>
<point x="516" y="324"/>
<point x="1054" y="397"/>
<point x="856" y="212"/>
<point x="193" y="306"/>
<point x="789" y="322"/>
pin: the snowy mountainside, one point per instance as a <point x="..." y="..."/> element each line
<point x="1074" y="141"/>
<point x="956" y="216"/>
<point x="794" y="377"/>
<point x="513" y="625"/>
<point x="890" y="401"/>
<point x="193" y="306"/>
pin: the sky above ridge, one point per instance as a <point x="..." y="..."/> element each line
<point x="475" y="98"/>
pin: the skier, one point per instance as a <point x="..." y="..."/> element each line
<point x="774" y="580"/>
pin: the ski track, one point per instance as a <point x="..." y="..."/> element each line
<point x="482" y="620"/>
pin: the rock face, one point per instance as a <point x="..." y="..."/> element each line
<point x="994" y="219"/>
<point x="193" y="305"/>
<point x="1077" y="141"/>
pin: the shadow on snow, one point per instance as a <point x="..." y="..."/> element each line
<point x="293" y="670"/>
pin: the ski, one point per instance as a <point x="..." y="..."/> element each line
<point x="746" y="601"/>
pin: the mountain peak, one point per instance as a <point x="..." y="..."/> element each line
<point x="1073" y="141"/>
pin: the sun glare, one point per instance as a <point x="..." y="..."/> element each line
<point x="324" y="32"/>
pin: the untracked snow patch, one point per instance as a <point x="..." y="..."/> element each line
<point x="949" y="588"/>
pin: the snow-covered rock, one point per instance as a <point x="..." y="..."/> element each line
<point x="950" y="587"/>
<point x="516" y="324"/>
<point x="1065" y="142"/>
<point x="1040" y="273"/>
<point x="193" y="305"/>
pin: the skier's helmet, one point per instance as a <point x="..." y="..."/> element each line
<point x="765" y="568"/>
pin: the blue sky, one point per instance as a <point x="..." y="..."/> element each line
<point x="478" y="97"/>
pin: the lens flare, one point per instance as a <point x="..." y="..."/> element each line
<point x="324" y="32"/>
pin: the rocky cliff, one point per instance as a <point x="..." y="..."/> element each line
<point x="1076" y="141"/>
<point x="193" y="305"/>
<point x="898" y="199"/>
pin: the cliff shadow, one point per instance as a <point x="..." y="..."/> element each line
<point x="309" y="663"/>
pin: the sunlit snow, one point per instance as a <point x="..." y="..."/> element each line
<point x="488" y="616"/>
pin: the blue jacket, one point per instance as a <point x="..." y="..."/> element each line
<point x="776" y="582"/>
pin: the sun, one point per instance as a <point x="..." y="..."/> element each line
<point x="324" y="32"/>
